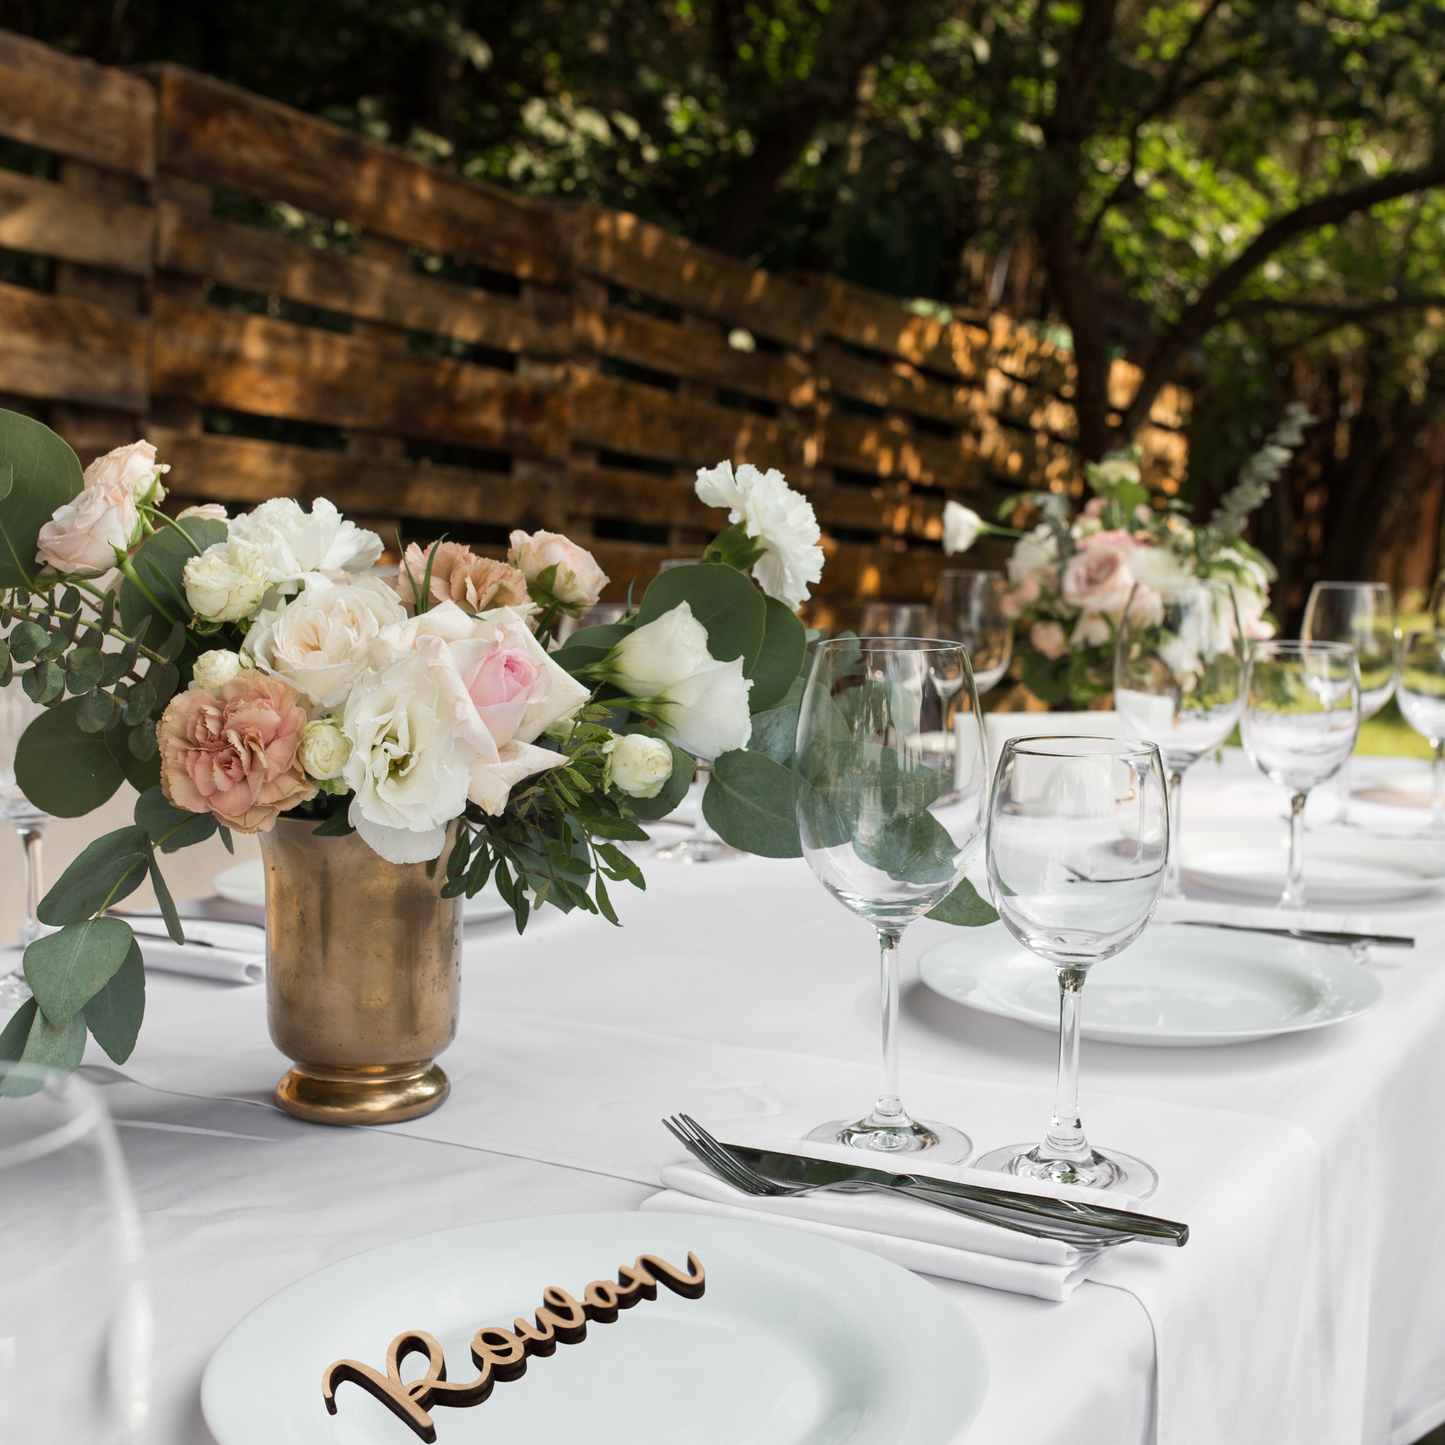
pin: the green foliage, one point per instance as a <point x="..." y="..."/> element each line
<point x="171" y="828"/>
<point x="109" y="869"/>
<point x="729" y="607"/>
<point x="964" y="908"/>
<point x="784" y="643"/>
<point x="43" y="474"/>
<point x="63" y="769"/>
<point x="114" y="1015"/>
<point x="159" y="564"/>
<point x="66" y="970"/>
<point x="750" y="803"/>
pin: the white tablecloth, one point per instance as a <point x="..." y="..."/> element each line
<point x="1308" y="1306"/>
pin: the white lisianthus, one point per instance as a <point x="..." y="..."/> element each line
<point x="657" y="654"/>
<point x="227" y="581"/>
<point x="1158" y="567"/>
<point x="961" y="527"/>
<point x="639" y="765"/>
<point x="213" y="670"/>
<point x="407" y="774"/>
<point x="706" y="712"/>
<point x="133" y="466"/>
<point x="1033" y="554"/>
<point x="297" y="544"/>
<point x="777" y="519"/>
<point x="324" y="750"/>
<point x="322" y="638"/>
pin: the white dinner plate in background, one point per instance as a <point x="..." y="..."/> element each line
<point x="1176" y="987"/>
<point x="246" y="883"/>
<point x="1342" y="866"/>
<point x="796" y="1340"/>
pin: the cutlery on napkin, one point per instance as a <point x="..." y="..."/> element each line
<point x="227" y="952"/>
<point x="897" y="1227"/>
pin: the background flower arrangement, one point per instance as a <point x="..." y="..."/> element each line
<point x="1073" y="579"/>
<point x="238" y="670"/>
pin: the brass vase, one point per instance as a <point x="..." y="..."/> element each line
<point x="363" y="976"/>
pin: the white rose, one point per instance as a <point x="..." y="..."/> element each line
<point x="406" y="771"/>
<point x="960" y="528"/>
<point x="324" y="749"/>
<point x="322" y="638"/>
<point x="1033" y="554"/>
<point x="1158" y="567"/>
<point x="577" y="582"/>
<point x="640" y="764"/>
<point x="658" y="653"/>
<point x="227" y="581"/>
<point x="134" y="467"/>
<point x="778" y="519"/>
<point x="297" y="544"/>
<point x="1113" y="471"/>
<point x="706" y="713"/>
<point x="214" y="669"/>
<point x="92" y="532"/>
<point x="205" y="512"/>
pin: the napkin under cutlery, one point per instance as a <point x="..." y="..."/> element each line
<point x="907" y="1231"/>
<point x="226" y="952"/>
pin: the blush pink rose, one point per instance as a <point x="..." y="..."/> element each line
<point x="1097" y="577"/>
<point x="234" y="754"/>
<point x="502" y="684"/>
<point x="577" y="582"/>
<point x="1048" y="638"/>
<point x="135" y="466"/>
<point x="84" y="535"/>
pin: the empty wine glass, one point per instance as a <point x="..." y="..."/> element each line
<point x="1301" y="720"/>
<point x="74" y="1323"/>
<point x="896" y="619"/>
<point x="1361" y="614"/>
<point x="1179" y="682"/>
<point x="968" y="608"/>
<point x="1422" y="705"/>
<point x="16" y="714"/>
<point x="1078" y="839"/>
<point x="888" y="824"/>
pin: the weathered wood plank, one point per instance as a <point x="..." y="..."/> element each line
<point x="76" y="108"/>
<point x="275" y="368"/>
<point x="628" y="251"/>
<point x="862" y="444"/>
<point x="213" y="132"/>
<point x="623" y="416"/>
<point x="883" y="323"/>
<point x="197" y="244"/>
<point x="1171" y="407"/>
<point x="898" y="387"/>
<point x="54" y="220"/>
<point x="1016" y="349"/>
<point x="59" y="349"/>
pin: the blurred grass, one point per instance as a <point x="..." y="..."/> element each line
<point x="1387" y="734"/>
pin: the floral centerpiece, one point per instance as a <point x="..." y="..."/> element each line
<point x="239" y="670"/>
<point x="1072" y="579"/>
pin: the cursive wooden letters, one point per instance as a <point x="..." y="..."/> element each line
<point x="502" y="1354"/>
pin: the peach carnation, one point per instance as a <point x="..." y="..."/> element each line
<point x="458" y="575"/>
<point x="234" y="754"/>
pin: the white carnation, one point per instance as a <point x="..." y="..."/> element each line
<point x="213" y="670"/>
<point x="640" y="764"/>
<point x="778" y="519"/>
<point x="297" y="544"/>
<point x="961" y="527"/>
<point x="227" y="581"/>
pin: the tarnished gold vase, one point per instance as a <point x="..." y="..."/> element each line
<point x="363" y="976"/>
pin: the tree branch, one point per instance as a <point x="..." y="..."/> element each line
<point x="1205" y="312"/>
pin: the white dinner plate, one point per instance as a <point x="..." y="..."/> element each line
<point x="1176" y="987"/>
<point x="246" y="883"/>
<point x="1341" y="866"/>
<point x="795" y="1339"/>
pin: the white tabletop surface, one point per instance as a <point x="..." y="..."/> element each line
<point x="1309" y="1305"/>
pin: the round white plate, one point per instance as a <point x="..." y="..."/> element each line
<point x="246" y="883"/>
<point x="796" y="1339"/>
<point x="1176" y="987"/>
<point x="1341" y="865"/>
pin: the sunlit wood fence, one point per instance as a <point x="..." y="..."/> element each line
<point x="288" y="308"/>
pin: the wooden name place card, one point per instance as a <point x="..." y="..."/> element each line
<point x="502" y="1354"/>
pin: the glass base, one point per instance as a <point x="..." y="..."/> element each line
<point x="1102" y="1170"/>
<point x="14" y="991"/>
<point x="944" y="1143"/>
<point x="698" y="850"/>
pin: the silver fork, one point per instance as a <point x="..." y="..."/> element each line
<point x="717" y="1159"/>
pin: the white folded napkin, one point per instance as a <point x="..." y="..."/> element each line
<point x="921" y="1237"/>
<point x="227" y="952"/>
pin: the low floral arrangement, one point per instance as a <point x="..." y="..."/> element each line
<point x="1072" y="580"/>
<point x="239" y="670"/>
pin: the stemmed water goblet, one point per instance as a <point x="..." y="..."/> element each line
<point x="968" y="608"/>
<point x="889" y="821"/>
<point x="1301" y="720"/>
<point x="1078" y="840"/>
<point x="17" y="712"/>
<point x="1361" y="615"/>
<point x="1422" y="705"/>
<point x="1179" y="682"/>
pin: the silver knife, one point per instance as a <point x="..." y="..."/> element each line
<point x="799" y="1169"/>
<point x="1308" y="935"/>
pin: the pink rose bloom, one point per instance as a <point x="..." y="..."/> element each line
<point x="1015" y="599"/>
<point x="501" y="685"/>
<point x="133" y="466"/>
<point x="84" y="535"/>
<point x="234" y="754"/>
<point x="1048" y="638"/>
<point x="206" y="512"/>
<point x="1097" y="577"/>
<point x="578" y="581"/>
<point x="459" y="575"/>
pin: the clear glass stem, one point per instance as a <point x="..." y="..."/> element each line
<point x="1344" y="817"/>
<point x="1065" y="1139"/>
<point x="1173" y="888"/>
<point x="1294" y="888"/>
<point x="1437" y="788"/>
<point x="34" y="884"/>
<point x="888" y="1111"/>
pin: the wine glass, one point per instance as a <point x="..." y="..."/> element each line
<point x="1179" y="682"/>
<point x="17" y="712"/>
<point x="1422" y="705"/>
<point x="1361" y="614"/>
<point x="968" y="608"/>
<point x="74" y="1322"/>
<point x="1078" y="841"/>
<point x="1301" y="720"/>
<point x="888" y="823"/>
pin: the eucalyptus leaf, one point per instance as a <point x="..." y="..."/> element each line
<point x="82" y="669"/>
<point x="16" y="1031"/>
<point x="964" y="908"/>
<point x="785" y="641"/>
<point x="96" y="712"/>
<point x="62" y="769"/>
<point x="775" y="732"/>
<point x="914" y="847"/>
<point x="751" y="803"/>
<point x="44" y="474"/>
<point x="164" y="555"/>
<point x="7" y="480"/>
<point x="338" y="825"/>
<point x="171" y="828"/>
<point x="66" y="970"/>
<point x="164" y="899"/>
<point x="114" y="1015"/>
<point x="588" y="645"/>
<point x="728" y="606"/>
<point x="44" y="682"/>
<point x="55" y="1046"/>
<point x="109" y="869"/>
<point x="26" y="641"/>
